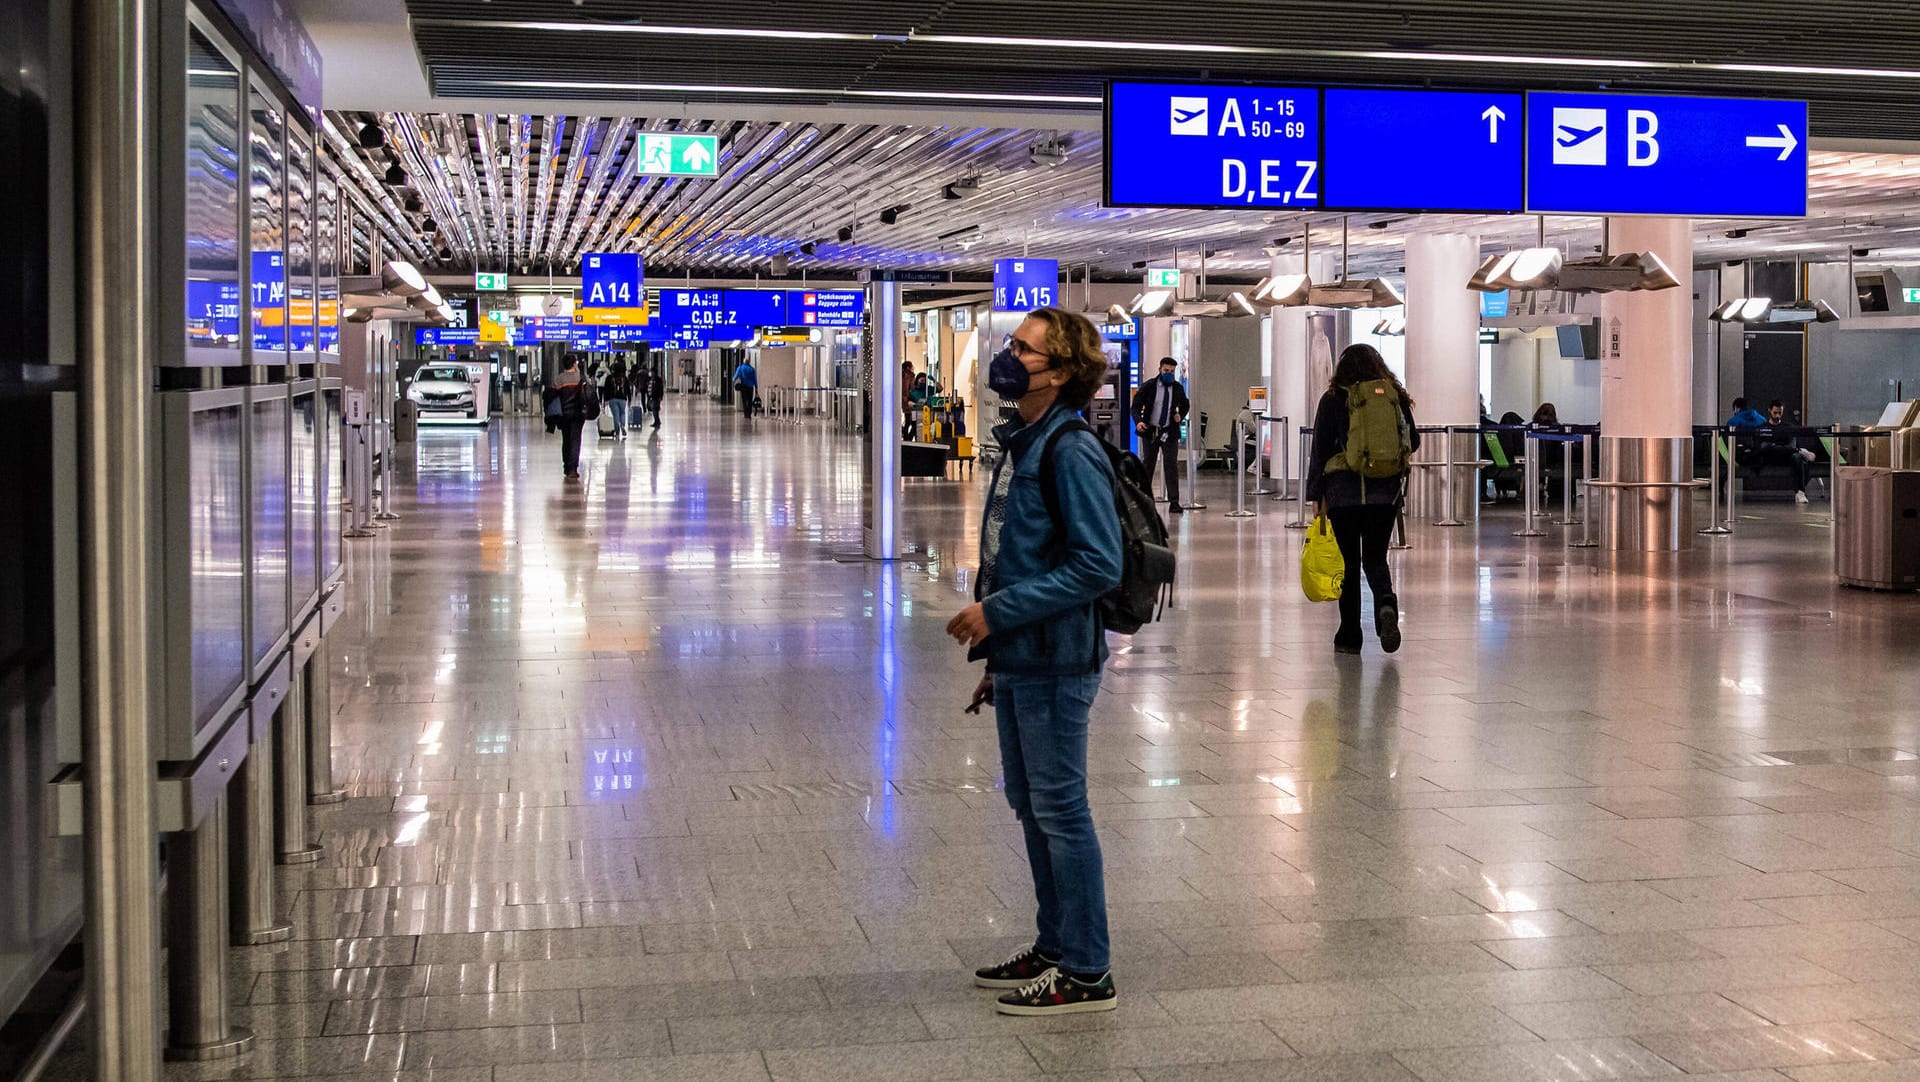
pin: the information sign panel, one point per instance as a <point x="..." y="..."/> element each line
<point x="1649" y="154"/>
<point x="1423" y="150"/>
<point x="1198" y="145"/>
<point x="1020" y="285"/>
<point x="826" y="308"/>
<point x="612" y="280"/>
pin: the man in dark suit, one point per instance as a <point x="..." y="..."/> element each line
<point x="1158" y="408"/>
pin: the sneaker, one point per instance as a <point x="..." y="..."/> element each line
<point x="1806" y="454"/>
<point x="1026" y="964"/>
<point x="1053" y="992"/>
<point x="1799" y="497"/>
<point x="1174" y="509"/>
<point x="1386" y="621"/>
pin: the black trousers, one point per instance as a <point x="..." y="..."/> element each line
<point x="1778" y="454"/>
<point x="746" y="401"/>
<point x="1158" y="445"/>
<point x="570" y="443"/>
<point x="1363" y="534"/>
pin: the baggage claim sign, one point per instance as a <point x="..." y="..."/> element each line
<point x="1465" y="151"/>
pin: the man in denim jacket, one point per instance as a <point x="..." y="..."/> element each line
<point x="1036" y="625"/>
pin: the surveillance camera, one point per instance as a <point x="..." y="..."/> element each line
<point x="807" y="248"/>
<point x="845" y="234"/>
<point x="1862" y="253"/>
<point x="778" y="264"/>
<point x="964" y="188"/>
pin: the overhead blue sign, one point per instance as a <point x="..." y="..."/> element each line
<point x="1423" y="150"/>
<point x="828" y="308"/>
<point x="446" y="336"/>
<point x="1023" y="284"/>
<point x="612" y="280"/>
<point x="724" y="313"/>
<point x="269" y="285"/>
<point x="1646" y="154"/>
<point x="1495" y="305"/>
<point x="1172" y="145"/>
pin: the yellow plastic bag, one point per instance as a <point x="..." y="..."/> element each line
<point x="1322" y="568"/>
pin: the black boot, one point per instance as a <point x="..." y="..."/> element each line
<point x="1386" y="622"/>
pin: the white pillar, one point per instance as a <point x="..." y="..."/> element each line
<point x="1443" y="328"/>
<point x="1293" y="387"/>
<point x="881" y="513"/>
<point x="1646" y="395"/>
<point x="1443" y="365"/>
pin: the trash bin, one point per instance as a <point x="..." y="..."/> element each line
<point x="1876" y="521"/>
<point x="406" y="421"/>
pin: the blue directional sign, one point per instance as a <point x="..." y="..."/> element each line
<point x="724" y="313"/>
<point x="1645" y="154"/>
<point x="1023" y="284"/>
<point x="1495" y="305"/>
<point x="213" y="309"/>
<point x="269" y="285"/>
<point x="828" y="308"/>
<point x="1431" y="150"/>
<point x="612" y="280"/>
<point x="1171" y="145"/>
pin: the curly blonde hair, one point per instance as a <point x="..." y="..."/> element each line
<point x="1073" y="345"/>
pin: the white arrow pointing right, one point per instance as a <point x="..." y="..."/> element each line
<point x="1785" y="141"/>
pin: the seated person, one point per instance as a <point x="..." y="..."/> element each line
<point x="1546" y="416"/>
<point x="1773" y="449"/>
<point x="1745" y="416"/>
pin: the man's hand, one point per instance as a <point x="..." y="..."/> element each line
<point x="1141" y="427"/>
<point x="970" y="627"/>
<point x="982" y="695"/>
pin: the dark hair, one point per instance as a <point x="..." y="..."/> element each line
<point x="1073" y="346"/>
<point x="1776" y="403"/>
<point x="1546" y="414"/>
<point x="1165" y="361"/>
<point x="1739" y="403"/>
<point x="570" y="361"/>
<point x="1360" y="363"/>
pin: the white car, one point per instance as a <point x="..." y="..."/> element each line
<point x="443" y="394"/>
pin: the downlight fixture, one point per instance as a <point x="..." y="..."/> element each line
<point x="403" y="279"/>
<point x="372" y="136"/>
<point x="1155" y="302"/>
<point x="1282" y="291"/>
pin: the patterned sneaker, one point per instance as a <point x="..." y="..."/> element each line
<point x="1019" y="970"/>
<point x="1053" y="992"/>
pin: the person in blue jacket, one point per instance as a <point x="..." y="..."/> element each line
<point x="1036" y="624"/>
<point x="1745" y="416"/>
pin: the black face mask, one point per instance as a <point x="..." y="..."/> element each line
<point x="1007" y="377"/>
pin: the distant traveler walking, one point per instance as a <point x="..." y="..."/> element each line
<point x="1048" y="553"/>
<point x="1363" y="439"/>
<point x="1158" y="409"/>
<point x="655" y="389"/>
<point x="614" y="390"/>
<point x="746" y="384"/>
<point x="570" y="403"/>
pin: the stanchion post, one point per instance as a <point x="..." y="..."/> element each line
<point x="1300" y="493"/>
<point x="1590" y="472"/>
<point x="1733" y="477"/>
<point x="1532" y="478"/>
<point x="1713" y="488"/>
<point x="1566" y="485"/>
<point x="1449" y="515"/>
<point x="1286" y="459"/>
<point x="1239" y="471"/>
<point x="1400" y="529"/>
<point x="1262" y="472"/>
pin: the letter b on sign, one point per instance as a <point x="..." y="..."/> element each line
<point x="1642" y="147"/>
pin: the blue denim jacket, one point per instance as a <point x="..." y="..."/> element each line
<point x="1041" y="614"/>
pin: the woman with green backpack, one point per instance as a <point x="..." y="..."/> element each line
<point x="1363" y="441"/>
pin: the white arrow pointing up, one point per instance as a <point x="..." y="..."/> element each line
<point x="1785" y="141"/>
<point x="1493" y="116"/>
<point x="696" y="154"/>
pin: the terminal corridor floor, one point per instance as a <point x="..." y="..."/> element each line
<point x="650" y="777"/>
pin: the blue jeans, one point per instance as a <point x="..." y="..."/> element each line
<point x="619" y="407"/>
<point x="1043" y="750"/>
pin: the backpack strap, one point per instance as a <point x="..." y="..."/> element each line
<point x="1049" y="489"/>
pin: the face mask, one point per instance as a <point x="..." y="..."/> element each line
<point x="1007" y="377"/>
<point x="1167" y="378"/>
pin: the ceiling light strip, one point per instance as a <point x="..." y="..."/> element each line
<point x="825" y="92"/>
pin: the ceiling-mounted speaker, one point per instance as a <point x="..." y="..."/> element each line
<point x="845" y="234"/>
<point x="412" y="204"/>
<point x="372" y="137"/>
<point x="396" y="175"/>
<point x="778" y="264"/>
<point x="428" y="225"/>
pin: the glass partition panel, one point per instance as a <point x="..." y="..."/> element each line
<point x="213" y="201"/>
<point x="326" y="263"/>
<point x="300" y="244"/>
<point x="266" y="175"/>
<point x="267" y="432"/>
<point x="303" y="496"/>
<point x="217" y="511"/>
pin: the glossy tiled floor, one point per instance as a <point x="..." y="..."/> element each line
<point x="651" y="780"/>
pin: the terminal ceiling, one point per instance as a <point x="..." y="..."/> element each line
<point x="520" y="187"/>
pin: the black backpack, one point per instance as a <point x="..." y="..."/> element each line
<point x="1146" y="575"/>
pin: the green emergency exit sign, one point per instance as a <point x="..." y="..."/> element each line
<point x="1163" y="278"/>
<point x="676" y="154"/>
<point x="1912" y="295"/>
<point x="490" y="283"/>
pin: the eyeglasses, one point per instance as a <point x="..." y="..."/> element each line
<point x="1022" y="349"/>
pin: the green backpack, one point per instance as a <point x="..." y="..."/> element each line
<point x="1378" y="444"/>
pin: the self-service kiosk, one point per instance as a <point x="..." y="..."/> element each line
<point x="1109" y="412"/>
